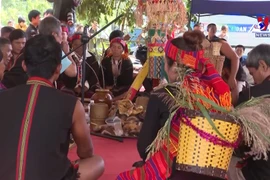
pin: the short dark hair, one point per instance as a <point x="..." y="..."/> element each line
<point x="141" y="54"/>
<point x="224" y="28"/>
<point x="240" y="75"/>
<point x="48" y="11"/>
<point x="116" y="33"/>
<point x="3" y="41"/>
<point x="49" y="25"/>
<point x="33" y="14"/>
<point x="260" y="52"/>
<point x="21" y="19"/>
<point x="197" y="25"/>
<point x="42" y="55"/>
<point x="6" y="29"/>
<point x="211" y="25"/>
<point x="240" y="46"/>
<point x="17" y="34"/>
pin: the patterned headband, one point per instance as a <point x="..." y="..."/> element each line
<point x="191" y="59"/>
<point x="64" y="29"/>
<point x="75" y="37"/>
<point x="120" y="41"/>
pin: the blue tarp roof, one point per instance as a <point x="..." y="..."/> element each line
<point x="231" y="7"/>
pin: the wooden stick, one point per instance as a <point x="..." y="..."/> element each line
<point x="108" y="136"/>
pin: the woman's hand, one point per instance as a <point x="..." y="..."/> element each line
<point x="235" y="95"/>
<point x="232" y="83"/>
<point x="230" y="54"/>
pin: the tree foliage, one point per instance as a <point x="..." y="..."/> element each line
<point x="104" y="11"/>
<point x="12" y="9"/>
<point x="191" y="17"/>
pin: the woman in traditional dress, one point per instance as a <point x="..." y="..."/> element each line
<point x="117" y="68"/>
<point x="183" y="54"/>
<point x="92" y="69"/>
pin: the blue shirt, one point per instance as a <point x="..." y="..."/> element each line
<point x="65" y="63"/>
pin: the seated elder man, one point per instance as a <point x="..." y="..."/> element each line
<point x="36" y="137"/>
<point x="258" y="64"/>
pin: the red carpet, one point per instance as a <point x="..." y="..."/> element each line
<point x="118" y="156"/>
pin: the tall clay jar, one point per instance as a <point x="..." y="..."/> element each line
<point x="103" y="96"/>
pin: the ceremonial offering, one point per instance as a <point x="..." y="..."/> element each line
<point x="138" y="81"/>
<point x="142" y="101"/>
<point x="124" y="120"/>
<point x="156" y="43"/>
<point x="161" y="12"/>
<point x="161" y="16"/>
<point x="98" y="113"/>
<point x="103" y="96"/>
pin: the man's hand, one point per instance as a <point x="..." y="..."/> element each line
<point x="81" y="132"/>
<point x="65" y="46"/>
<point x="127" y="37"/>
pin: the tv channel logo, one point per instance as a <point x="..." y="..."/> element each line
<point x="263" y="23"/>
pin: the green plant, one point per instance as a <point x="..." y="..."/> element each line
<point x="12" y="9"/>
<point x="191" y="17"/>
<point x="104" y="11"/>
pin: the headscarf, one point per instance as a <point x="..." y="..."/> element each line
<point x="64" y="28"/>
<point x="202" y="66"/>
<point x="121" y="42"/>
<point x="74" y="37"/>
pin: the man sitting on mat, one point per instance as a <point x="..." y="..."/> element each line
<point x="37" y="120"/>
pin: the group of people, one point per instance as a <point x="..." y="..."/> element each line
<point x="32" y="69"/>
<point x="235" y="71"/>
<point x="116" y="76"/>
<point x="37" y="118"/>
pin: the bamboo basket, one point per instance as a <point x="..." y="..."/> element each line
<point x="218" y="62"/>
<point x="212" y="52"/>
<point x="200" y="156"/>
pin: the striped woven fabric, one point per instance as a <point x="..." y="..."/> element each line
<point x="156" y="168"/>
<point x="205" y="81"/>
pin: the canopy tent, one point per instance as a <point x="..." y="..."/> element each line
<point x="231" y="7"/>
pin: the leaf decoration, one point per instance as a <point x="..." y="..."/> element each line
<point x="209" y="119"/>
<point x="212" y="103"/>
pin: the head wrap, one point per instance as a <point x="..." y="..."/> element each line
<point x="75" y="37"/>
<point x="202" y="66"/>
<point x="64" y="28"/>
<point x="120" y="41"/>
